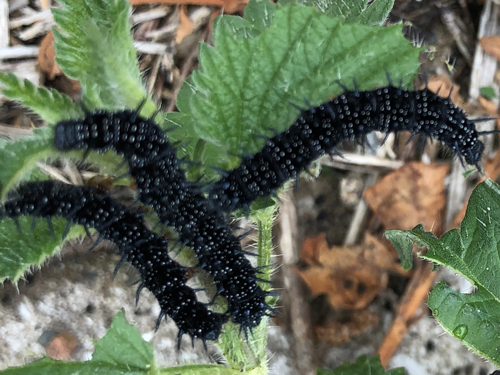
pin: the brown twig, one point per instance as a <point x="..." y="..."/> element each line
<point x="415" y="294"/>
<point x="186" y="69"/>
<point x="294" y="295"/>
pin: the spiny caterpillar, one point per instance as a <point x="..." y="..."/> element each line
<point x="200" y="221"/>
<point x="143" y="249"/>
<point x="161" y="183"/>
<point x="351" y="115"/>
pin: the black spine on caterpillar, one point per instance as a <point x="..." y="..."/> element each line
<point x="138" y="246"/>
<point x="317" y="131"/>
<point x="161" y="183"/>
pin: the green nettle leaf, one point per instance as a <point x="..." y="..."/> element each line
<point x="351" y="10"/>
<point x="247" y="83"/>
<point x="472" y="318"/>
<point x="256" y="19"/>
<point x="94" y="45"/>
<point x="403" y="242"/>
<point x="488" y="92"/>
<point x="19" y="158"/>
<point x="19" y="252"/>
<point x="472" y="251"/>
<point x="376" y="13"/>
<point x="363" y="365"/>
<point x="49" y="104"/>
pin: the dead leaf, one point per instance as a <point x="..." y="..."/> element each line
<point x="336" y="333"/>
<point x="104" y="183"/>
<point x="311" y="247"/>
<point x="411" y="195"/>
<point x="45" y="4"/>
<point x="62" y="346"/>
<point x="47" y="57"/>
<point x="230" y="6"/>
<point x="186" y="26"/>
<point x="351" y="276"/>
<point x="443" y="86"/>
<point x="488" y="105"/>
<point x="491" y="45"/>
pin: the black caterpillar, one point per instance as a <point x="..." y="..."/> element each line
<point x="317" y="131"/>
<point x="161" y="183"/>
<point x="200" y="222"/>
<point x="143" y="249"/>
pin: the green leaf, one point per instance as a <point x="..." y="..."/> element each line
<point x="403" y="243"/>
<point x="245" y="85"/>
<point x="260" y="14"/>
<point x="20" y="252"/>
<point x="334" y="8"/>
<point x="363" y="365"/>
<point x="377" y="12"/>
<point x="472" y="318"/>
<point x="353" y="11"/>
<point x="123" y="345"/>
<point x="49" y="104"/>
<point x="19" y="158"/>
<point x="94" y="45"/>
<point x="472" y="251"/>
<point x="257" y="18"/>
<point x="488" y="92"/>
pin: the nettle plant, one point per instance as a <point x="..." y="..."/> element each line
<point x="275" y="55"/>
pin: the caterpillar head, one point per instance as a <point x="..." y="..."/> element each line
<point x="473" y="154"/>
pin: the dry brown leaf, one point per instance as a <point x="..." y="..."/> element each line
<point x="45" y="4"/>
<point x="47" y="57"/>
<point x="491" y="45"/>
<point x="411" y="195"/>
<point x="337" y="333"/>
<point x="311" y="247"/>
<point x="62" y="346"/>
<point x="186" y="26"/>
<point x="350" y="288"/>
<point x="230" y="6"/>
<point x="442" y="85"/>
<point x="351" y="276"/>
<point x="488" y="105"/>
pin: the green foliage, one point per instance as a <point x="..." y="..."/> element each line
<point x="376" y="13"/>
<point x="363" y="365"/>
<point x="19" y="158"/>
<point x="351" y="10"/>
<point x="488" y="92"/>
<point x="20" y="252"/>
<point x="472" y="251"/>
<point x="247" y="82"/>
<point x="403" y="242"/>
<point x="94" y="45"/>
<point x="50" y="105"/>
